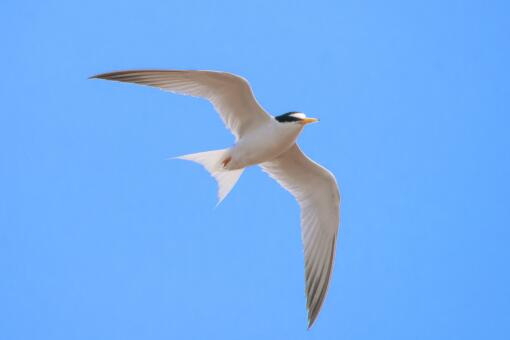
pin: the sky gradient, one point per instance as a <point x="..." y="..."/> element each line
<point x="103" y="237"/>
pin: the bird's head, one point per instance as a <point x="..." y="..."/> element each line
<point x="295" y="117"/>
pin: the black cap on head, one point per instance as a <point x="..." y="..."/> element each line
<point x="292" y="116"/>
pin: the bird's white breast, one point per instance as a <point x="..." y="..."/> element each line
<point x="263" y="144"/>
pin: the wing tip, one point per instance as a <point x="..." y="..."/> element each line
<point x="103" y="75"/>
<point x="313" y="313"/>
<point x="311" y="322"/>
<point x="108" y="75"/>
<point x="314" y="307"/>
<point x="121" y="74"/>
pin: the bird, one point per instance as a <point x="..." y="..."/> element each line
<point x="270" y="142"/>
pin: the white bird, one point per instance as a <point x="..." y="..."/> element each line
<point x="271" y="143"/>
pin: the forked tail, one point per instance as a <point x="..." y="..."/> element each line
<point x="212" y="162"/>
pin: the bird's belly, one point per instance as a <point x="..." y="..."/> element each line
<point x="261" y="148"/>
<point x="246" y="156"/>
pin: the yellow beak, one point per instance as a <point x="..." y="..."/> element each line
<point x="309" y="120"/>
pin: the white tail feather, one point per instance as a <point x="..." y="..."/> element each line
<point x="211" y="161"/>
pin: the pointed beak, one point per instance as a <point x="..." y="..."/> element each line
<point x="309" y="120"/>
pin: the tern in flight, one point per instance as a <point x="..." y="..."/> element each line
<point x="269" y="142"/>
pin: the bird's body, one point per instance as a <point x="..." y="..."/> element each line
<point x="269" y="142"/>
<point x="263" y="144"/>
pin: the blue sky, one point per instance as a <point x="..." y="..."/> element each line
<point x="102" y="237"/>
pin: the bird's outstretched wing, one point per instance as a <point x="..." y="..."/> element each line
<point x="316" y="190"/>
<point x="230" y="94"/>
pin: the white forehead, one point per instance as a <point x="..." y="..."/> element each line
<point x="299" y="115"/>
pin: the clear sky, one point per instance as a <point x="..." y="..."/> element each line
<point x="102" y="237"/>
